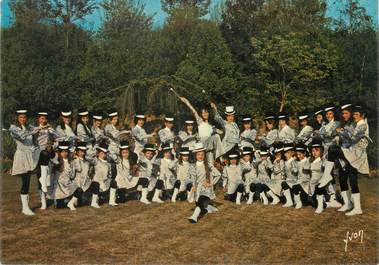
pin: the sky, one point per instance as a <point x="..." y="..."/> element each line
<point x="153" y="7"/>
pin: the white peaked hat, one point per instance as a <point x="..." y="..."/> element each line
<point x="199" y="147"/>
<point x="229" y="110"/>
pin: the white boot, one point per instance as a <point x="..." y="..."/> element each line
<point x="250" y="200"/>
<point x="195" y="215"/>
<point x="327" y="175"/>
<point x="190" y="196"/>
<point x="346" y="202"/>
<point x="356" y="198"/>
<point x="320" y="204"/>
<point x="156" y="196"/>
<point x="174" y="195"/>
<point x="298" y="202"/>
<point x="43" y="179"/>
<point x="144" y="196"/>
<point x="95" y="199"/>
<point x="289" y="202"/>
<point x="211" y="209"/>
<point x="333" y="203"/>
<point x="71" y="203"/>
<point x="238" y="198"/>
<point x="112" y="197"/>
<point x="275" y="199"/>
<point x="264" y="198"/>
<point x="25" y="205"/>
<point x="43" y="200"/>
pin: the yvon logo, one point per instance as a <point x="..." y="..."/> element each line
<point x="350" y="236"/>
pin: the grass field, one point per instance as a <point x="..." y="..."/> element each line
<point x="137" y="233"/>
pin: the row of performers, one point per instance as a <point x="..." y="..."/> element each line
<point x="341" y="146"/>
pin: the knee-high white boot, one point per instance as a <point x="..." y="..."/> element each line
<point x="156" y="196"/>
<point x="42" y="195"/>
<point x="25" y="205"/>
<point x="250" y="200"/>
<point x="72" y="202"/>
<point x="346" y="202"/>
<point x="190" y="196"/>
<point x="320" y="204"/>
<point x="174" y="195"/>
<point x="44" y="178"/>
<point x="327" y="175"/>
<point x="356" y="197"/>
<point x="289" y="202"/>
<point x="144" y="193"/>
<point x="275" y="199"/>
<point x="195" y="215"/>
<point x="94" y="202"/>
<point x="238" y="198"/>
<point x="298" y="202"/>
<point x="264" y="198"/>
<point x="112" y="197"/>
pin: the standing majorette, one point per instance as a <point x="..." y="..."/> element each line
<point x="167" y="167"/>
<point x="127" y="176"/>
<point x="286" y="134"/>
<point x="271" y="136"/>
<point x="356" y="155"/>
<point x="139" y="134"/>
<point x="264" y="169"/>
<point x="233" y="183"/>
<point x="26" y="156"/>
<point x="45" y="138"/>
<point x="231" y="138"/>
<point x="301" y="189"/>
<point x="103" y="176"/>
<point x="84" y="132"/>
<point x="149" y="170"/>
<point x="64" y="129"/>
<point x="203" y="174"/>
<point x="84" y="170"/>
<point x="64" y="176"/>
<point x="183" y="182"/>
<point x="317" y="171"/>
<point x="167" y="135"/>
<point x="112" y="133"/>
<point x="306" y="132"/>
<point x="207" y="133"/>
<point x="250" y="177"/>
<point x="188" y="136"/>
<point x="291" y="173"/>
<point x="328" y="131"/>
<point x="319" y="120"/>
<point x="97" y="128"/>
<point x="344" y="141"/>
<point x="277" y="174"/>
<point x="248" y="134"/>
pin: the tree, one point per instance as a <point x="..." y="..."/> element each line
<point x="291" y="68"/>
<point x="197" y="8"/>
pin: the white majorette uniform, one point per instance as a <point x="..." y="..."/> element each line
<point x="166" y="135"/>
<point x="272" y="135"/>
<point x="183" y="176"/>
<point x="65" y="185"/>
<point x="304" y="167"/>
<point x="85" y="134"/>
<point x="124" y="178"/>
<point x="247" y="137"/>
<point x="232" y="132"/>
<point x="285" y="134"/>
<point x="83" y="169"/>
<point x="65" y="131"/>
<point x="249" y="177"/>
<point x="188" y="139"/>
<point x="167" y="168"/>
<point x="277" y="174"/>
<point x="291" y="171"/>
<point x="139" y="135"/>
<point x="27" y="151"/>
<point x="148" y="169"/>
<point x="102" y="174"/>
<point x="98" y="132"/>
<point x="328" y="131"/>
<point x="305" y="134"/>
<point x="356" y="153"/>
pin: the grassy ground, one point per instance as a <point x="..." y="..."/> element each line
<point x="137" y="233"/>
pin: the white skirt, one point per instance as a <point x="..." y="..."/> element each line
<point x="24" y="161"/>
<point x="357" y="157"/>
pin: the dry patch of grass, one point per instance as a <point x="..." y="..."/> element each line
<point x="137" y="233"/>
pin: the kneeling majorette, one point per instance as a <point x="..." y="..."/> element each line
<point x="249" y="177"/>
<point x="183" y="183"/>
<point x="232" y="177"/>
<point x="167" y="168"/>
<point x="301" y="188"/>
<point x="203" y="174"/>
<point x="64" y="176"/>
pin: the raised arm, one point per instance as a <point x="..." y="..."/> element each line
<point x="192" y="109"/>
